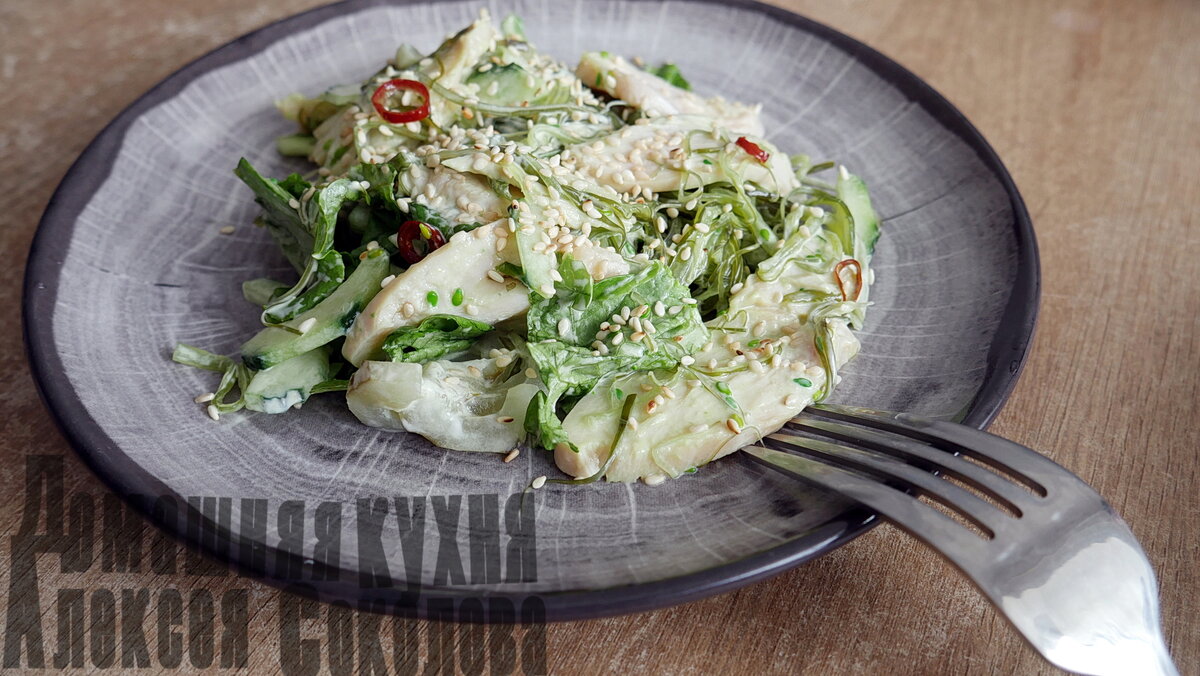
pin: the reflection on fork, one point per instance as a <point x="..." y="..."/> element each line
<point x="1044" y="547"/>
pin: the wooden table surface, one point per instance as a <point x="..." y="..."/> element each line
<point x="1095" y="108"/>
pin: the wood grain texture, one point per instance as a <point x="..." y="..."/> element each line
<point x="1092" y="105"/>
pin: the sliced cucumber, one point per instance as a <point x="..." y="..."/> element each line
<point x="853" y="192"/>
<point x="286" y="384"/>
<point x="260" y="291"/>
<point x="536" y="265"/>
<point x="333" y="317"/>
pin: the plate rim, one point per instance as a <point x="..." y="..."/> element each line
<point x="1005" y="360"/>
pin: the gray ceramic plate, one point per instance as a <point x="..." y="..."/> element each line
<point x="128" y="261"/>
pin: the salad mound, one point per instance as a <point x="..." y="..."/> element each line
<point x="496" y="250"/>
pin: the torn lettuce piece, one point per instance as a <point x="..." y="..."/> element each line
<point x="563" y="328"/>
<point x="302" y="220"/>
<point x="436" y="336"/>
<point x="671" y="73"/>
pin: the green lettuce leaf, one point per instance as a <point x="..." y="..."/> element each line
<point x="305" y="235"/>
<point x="565" y="360"/>
<point x="670" y="72"/>
<point x="435" y="337"/>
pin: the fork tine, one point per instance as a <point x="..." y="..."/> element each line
<point x="946" y="535"/>
<point x="998" y="487"/>
<point x="1010" y="456"/>
<point x="987" y="517"/>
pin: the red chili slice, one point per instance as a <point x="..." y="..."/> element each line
<point x="858" y="279"/>
<point x="392" y="88"/>
<point x="752" y="148"/>
<point x="412" y="232"/>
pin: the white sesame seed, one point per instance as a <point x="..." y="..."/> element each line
<point x="547" y="289"/>
<point x="687" y="360"/>
<point x="733" y="426"/>
<point x="757" y="367"/>
<point x="227" y="230"/>
<point x="407" y="310"/>
<point x="618" y="339"/>
<point x="495" y="276"/>
<point x="675" y="309"/>
<point x="691" y="206"/>
<point x="564" y="326"/>
<point x="307" y="325"/>
<point x="503" y="360"/>
<point x="672" y="212"/>
<point x="472" y="309"/>
<point x="530" y="373"/>
<point x="659" y="310"/>
<point x="512" y="455"/>
<point x="635" y="323"/>
<point x="727" y="208"/>
<point x="686" y="254"/>
<point x="294" y="203"/>
<point x="633" y="423"/>
<point x="692" y="383"/>
<point x="505" y="419"/>
<point x="213" y="412"/>
<point x="689" y="301"/>
<point x="654" y="479"/>
<point x="637" y="336"/>
<point x="759" y="328"/>
<point x="733" y="290"/>
<point x="539" y="482"/>
<point x="204" y="398"/>
<point x="386" y="280"/>
<point x="843" y="173"/>
<point x="702" y="228"/>
<point x="474" y="371"/>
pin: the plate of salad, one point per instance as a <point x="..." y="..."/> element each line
<point x="560" y="253"/>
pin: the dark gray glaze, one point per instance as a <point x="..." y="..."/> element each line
<point x="128" y="261"/>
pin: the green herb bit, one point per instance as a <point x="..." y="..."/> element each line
<point x="802" y="382"/>
<point x="457" y="298"/>
<point x="432" y="298"/>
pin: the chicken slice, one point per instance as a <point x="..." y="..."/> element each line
<point x="651" y="155"/>
<point x="656" y="97"/>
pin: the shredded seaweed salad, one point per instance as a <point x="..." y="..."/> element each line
<point x="498" y="252"/>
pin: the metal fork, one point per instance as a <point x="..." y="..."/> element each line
<point x="1053" y="556"/>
